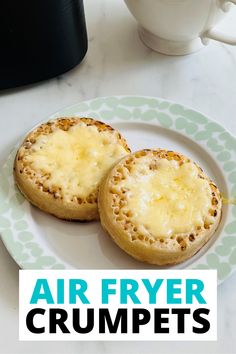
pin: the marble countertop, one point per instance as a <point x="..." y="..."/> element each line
<point x="118" y="63"/>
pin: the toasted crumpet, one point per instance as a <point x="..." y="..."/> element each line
<point x="159" y="206"/>
<point x="61" y="163"/>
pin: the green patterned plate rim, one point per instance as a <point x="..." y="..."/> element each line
<point x="16" y="229"/>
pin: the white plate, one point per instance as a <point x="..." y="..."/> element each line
<point x="40" y="241"/>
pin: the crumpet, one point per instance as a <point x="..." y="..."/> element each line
<point x="60" y="165"/>
<point x="159" y="206"/>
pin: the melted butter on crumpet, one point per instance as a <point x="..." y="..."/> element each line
<point x="75" y="159"/>
<point x="168" y="200"/>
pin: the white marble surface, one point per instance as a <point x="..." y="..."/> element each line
<point x="118" y="63"/>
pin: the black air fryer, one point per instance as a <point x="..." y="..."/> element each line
<point x="40" y="39"/>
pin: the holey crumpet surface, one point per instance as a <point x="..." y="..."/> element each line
<point x="60" y="164"/>
<point x="159" y="206"/>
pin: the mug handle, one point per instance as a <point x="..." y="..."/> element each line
<point x="220" y="36"/>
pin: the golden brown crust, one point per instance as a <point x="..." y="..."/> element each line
<point x="31" y="182"/>
<point x="145" y="247"/>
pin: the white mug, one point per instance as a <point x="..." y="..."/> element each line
<point x="178" y="27"/>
